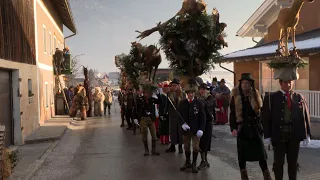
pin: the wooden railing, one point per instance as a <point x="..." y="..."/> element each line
<point x="313" y="101"/>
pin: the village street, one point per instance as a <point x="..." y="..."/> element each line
<point x="99" y="149"/>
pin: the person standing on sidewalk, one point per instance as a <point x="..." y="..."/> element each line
<point x="222" y="93"/>
<point x="286" y="122"/>
<point x="146" y="109"/>
<point x="176" y="96"/>
<point x="121" y="99"/>
<point x="205" y="141"/>
<point x="194" y="117"/>
<point x="107" y="101"/>
<point x="245" y="124"/>
<point x="164" y="115"/>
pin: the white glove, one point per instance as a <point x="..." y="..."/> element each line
<point x="136" y="121"/>
<point x="307" y="141"/>
<point x="199" y="133"/>
<point x="267" y="141"/>
<point x="217" y="109"/>
<point x="154" y="96"/>
<point x="162" y="118"/>
<point x="185" y="126"/>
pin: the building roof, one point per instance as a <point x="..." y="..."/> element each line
<point x="257" y="25"/>
<point x="306" y="43"/>
<point x="65" y="13"/>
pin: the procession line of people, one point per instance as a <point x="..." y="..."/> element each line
<point x="186" y="117"/>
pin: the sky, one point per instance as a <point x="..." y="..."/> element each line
<point x="106" y="27"/>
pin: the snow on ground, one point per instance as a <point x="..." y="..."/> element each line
<point x="313" y="144"/>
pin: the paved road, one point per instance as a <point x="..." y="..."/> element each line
<point x="99" y="149"/>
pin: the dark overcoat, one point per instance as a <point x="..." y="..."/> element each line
<point x="174" y="119"/>
<point x="273" y="116"/>
<point x="163" y="112"/>
<point x="250" y="144"/>
<point x="205" y="141"/>
<point x="195" y="115"/>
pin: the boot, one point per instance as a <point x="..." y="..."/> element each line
<point x="244" y="175"/>
<point x="266" y="175"/>
<point x="171" y="149"/>
<point x="203" y="163"/>
<point x="194" y="162"/>
<point x="187" y="164"/>
<point x="206" y="158"/>
<point x="154" y="152"/>
<point x="146" y="149"/>
<point x="278" y="171"/>
<point x="180" y="149"/>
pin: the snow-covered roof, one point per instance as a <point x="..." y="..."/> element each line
<point x="306" y="42"/>
<point x="257" y="25"/>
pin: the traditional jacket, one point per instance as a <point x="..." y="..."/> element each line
<point x="193" y="114"/>
<point x="146" y="107"/>
<point x="108" y="97"/>
<point x="273" y="116"/>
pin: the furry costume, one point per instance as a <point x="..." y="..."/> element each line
<point x="98" y="99"/>
<point x="79" y="102"/>
<point x="255" y="100"/>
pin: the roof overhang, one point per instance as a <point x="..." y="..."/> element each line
<point x="257" y="25"/>
<point x="65" y="13"/>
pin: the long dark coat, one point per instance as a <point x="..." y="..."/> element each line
<point x="196" y="115"/>
<point x="250" y="144"/>
<point x="273" y="114"/>
<point x="174" y="120"/>
<point x="163" y="111"/>
<point x="205" y="141"/>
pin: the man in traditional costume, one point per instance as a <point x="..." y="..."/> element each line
<point x="222" y="93"/>
<point x="146" y="111"/>
<point x="286" y="122"/>
<point x="245" y="124"/>
<point x="130" y="107"/>
<point x="176" y="96"/>
<point x="98" y="99"/>
<point x="194" y="120"/>
<point x="164" y="115"/>
<point x="214" y="83"/>
<point x="79" y="102"/>
<point x="205" y="141"/>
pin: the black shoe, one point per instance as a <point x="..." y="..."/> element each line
<point x="187" y="164"/>
<point x="122" y="125"/>
<point x="171" y="149"/>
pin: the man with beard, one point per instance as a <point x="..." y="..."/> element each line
<point x="286" y="122"/>
<point x="245" y="124"/>
<point x="176" y="96"/>
<point x="205" y="141"/>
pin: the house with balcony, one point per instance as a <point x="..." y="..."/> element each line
<point x="263" y="24"/>
<point x="51" y="16"/>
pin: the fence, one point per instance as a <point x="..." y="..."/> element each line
<point x="313" y="101"/>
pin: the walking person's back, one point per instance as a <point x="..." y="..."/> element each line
<point x="107" y="100"/>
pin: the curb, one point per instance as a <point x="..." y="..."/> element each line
<point x="36" y="141"/>
<point x="40" y="161"/>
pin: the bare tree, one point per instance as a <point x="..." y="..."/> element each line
<point x="75" y="69"/>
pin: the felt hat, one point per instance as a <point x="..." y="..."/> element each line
<point x="175" y="81"/>
<point x="246" y="76"/>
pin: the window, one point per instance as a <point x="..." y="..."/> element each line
<point x="52" y="93"/>
<point x="47" y="96"/>
<point x="44" y="39"/>
<point x="54" y="43"/>
<point x="50" y="43"/>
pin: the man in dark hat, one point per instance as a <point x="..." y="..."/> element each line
<point x="176" y="96"/>
<point x="222" y="95"/>
<point x="146" y="109"/>
<point x="194" y="121"/>
<point x="286" y="122"/>
<point x="245" y="124"/>
<point x="205" y="142"/>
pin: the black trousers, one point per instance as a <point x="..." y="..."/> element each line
<point x="107" y="106"/>
<point x="129" y="117"/>
<point x="263" y="165"/>
<point x="291" y="149"/>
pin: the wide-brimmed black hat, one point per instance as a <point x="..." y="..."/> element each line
<point x="192" y="86"/>
<point x="204" y="86"/>
<point x="246" y="76"/>
<point x="215" y="79"/>
<point x="222" y="81"/>
<point x="175" y="81"/>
